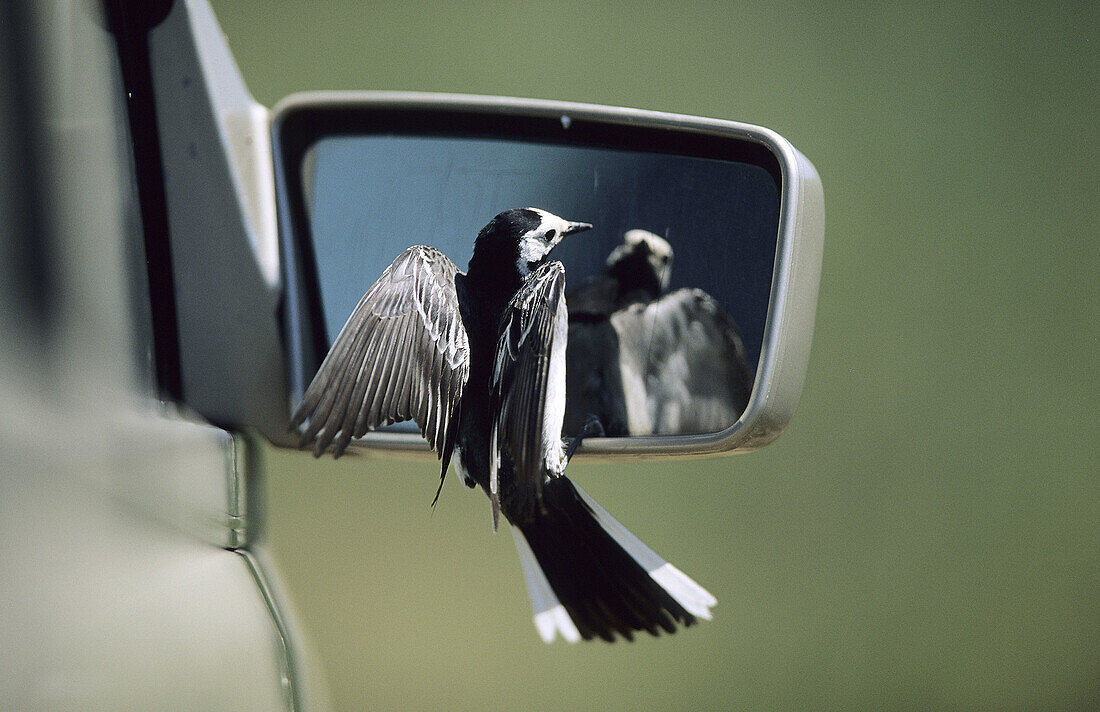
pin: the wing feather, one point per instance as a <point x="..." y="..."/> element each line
<point x="371" y="387"/>
<point x="359" y="390"/>
<point x="527" y="397"/>
<point x="389" y="397"/>
<point x="691" y="359"/>
<point x="403" y="354"/>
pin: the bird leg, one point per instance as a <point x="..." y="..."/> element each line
<point x="592" y="427"/>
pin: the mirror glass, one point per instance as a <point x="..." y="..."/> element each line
<point x="668" y="293"/>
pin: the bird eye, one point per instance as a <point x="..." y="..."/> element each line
<point x="551" y="234"/>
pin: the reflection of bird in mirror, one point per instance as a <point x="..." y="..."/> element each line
<point x="646" y="362"/>
<point x="637" y="271"/>
<point x="478" y="361"/>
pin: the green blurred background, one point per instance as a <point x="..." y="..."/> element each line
<point x="926" y="534"/>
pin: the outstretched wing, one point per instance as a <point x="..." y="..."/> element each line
<point x="527" y="394"/>
<point x="688" y="361"/>
<point x="402" y="354"/>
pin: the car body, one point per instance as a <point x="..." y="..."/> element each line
<point x="131" y="576"/>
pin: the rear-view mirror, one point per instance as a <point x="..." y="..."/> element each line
<point x="691" y="300"/>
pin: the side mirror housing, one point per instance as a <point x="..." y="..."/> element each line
<point x="692" y="300"/>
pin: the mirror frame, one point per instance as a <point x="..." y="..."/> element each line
<point x="299" y="120"/>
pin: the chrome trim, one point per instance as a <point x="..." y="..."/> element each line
<point x="288" y="669"/>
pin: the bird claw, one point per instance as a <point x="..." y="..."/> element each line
<point x="592" y="428"/>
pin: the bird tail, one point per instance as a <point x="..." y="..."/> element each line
<point x="589" y="577"/>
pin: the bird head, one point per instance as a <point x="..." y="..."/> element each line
<point x="642" y="261"/>
<point x="524" y="236"/>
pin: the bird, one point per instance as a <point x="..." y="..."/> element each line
<point x="477" y="360"/>
<point x="647" y="361"/>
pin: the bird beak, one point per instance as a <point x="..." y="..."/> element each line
<point x="577" y="227"/>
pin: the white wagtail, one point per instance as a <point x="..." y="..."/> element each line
<point x="477" y="360"/>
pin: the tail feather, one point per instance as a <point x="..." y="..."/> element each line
<point x="589" y="577"/>
<point x="551" y="617"/>
<point x="696" y="599"/>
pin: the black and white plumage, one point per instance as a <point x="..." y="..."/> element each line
<point x="638" y="272"/>
<point x="685" y="354"/>
<point x="649" y="362"/>
<point x="477" y="360"/>
<point x="527" y="389"/>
